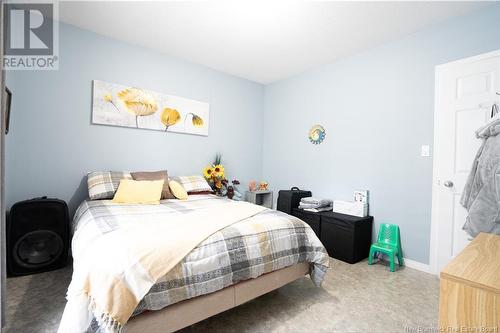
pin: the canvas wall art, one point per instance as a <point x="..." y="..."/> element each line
<point x="119" y="105"/>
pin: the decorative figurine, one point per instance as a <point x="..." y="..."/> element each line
<point x="263" y="186"/>
<point x="252" y="185"/>
<point x="230" y="192"/>
<point x="237" y="195"/>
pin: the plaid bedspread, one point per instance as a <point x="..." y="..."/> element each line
<point x="261" y="244"/>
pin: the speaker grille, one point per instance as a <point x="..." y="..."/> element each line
<point x="38" y="249"/>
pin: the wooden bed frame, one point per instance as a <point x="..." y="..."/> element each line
<point x="191" y="311"/>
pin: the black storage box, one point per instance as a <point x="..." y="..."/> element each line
<point x="345" y="237"/>
<point x="290" y="199"/>
<point x="313" y="219"/>
<point x="37" y="236"/>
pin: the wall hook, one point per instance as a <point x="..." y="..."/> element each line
<point x="494" y="110"/>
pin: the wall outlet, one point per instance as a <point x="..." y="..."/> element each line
<point x="425" y="151"/>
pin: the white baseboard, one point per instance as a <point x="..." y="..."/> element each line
<point x="415" y="265"/>
<point x="418" y="266"/>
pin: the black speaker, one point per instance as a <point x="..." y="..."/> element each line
<point x="37" y="236"/>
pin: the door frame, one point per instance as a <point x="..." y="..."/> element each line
<point x="2" y="181"/>
<point x="434" y="240"/>
<point x="2" y="201"/>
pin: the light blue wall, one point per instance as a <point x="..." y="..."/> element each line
<point x="52" y="145"/>
<point x="377" y="108"/>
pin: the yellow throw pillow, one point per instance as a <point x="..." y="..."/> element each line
<point x="177" y="190"/>
<point x="139" y="192"/>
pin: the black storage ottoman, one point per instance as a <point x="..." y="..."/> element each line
<point x="345" y="237"/>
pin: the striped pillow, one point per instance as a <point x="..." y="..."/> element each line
<point x="193" y="184"/>
<point x="103" y="184"/>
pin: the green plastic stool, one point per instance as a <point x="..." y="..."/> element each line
<point x="388" y="242"/>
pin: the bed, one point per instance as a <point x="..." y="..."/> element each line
<point x="235" y="264"/>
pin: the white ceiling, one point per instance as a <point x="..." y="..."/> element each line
<point x="263" y="41"/>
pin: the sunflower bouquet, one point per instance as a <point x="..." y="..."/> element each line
<point x="214" y="174"/>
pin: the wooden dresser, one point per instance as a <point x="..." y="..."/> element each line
<point x="469" y="299"/>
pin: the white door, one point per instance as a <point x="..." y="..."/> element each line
<point x="465" y="92"/>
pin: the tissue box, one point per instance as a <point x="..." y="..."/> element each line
<point x="359" y="209"/>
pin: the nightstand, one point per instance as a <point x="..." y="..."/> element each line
<point x="261" y="198"/>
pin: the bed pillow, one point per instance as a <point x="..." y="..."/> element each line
<point x="103" y="184"/>
<point x="193" y="184"/>
<point x="177" y="190"/>
<point x="155" y="175"/>
<point x="139" y="192"/>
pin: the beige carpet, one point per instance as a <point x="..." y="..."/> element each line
<point x="354" y="298"/>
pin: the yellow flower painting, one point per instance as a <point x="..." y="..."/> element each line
<point x="109" y="98"/>
<point x="170" y="117"/>
<point x="125" y="106"/>
<point x="196" y="120"/>
<point x="138" y="102"/>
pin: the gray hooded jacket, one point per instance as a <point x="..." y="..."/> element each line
<point x="481" y="196"/>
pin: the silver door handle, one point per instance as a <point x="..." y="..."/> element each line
<point x="448" y="183"/>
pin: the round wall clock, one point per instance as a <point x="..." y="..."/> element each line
<point x="317" y="134"/>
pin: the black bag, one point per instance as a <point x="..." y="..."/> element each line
<point x="289" y="199"/>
